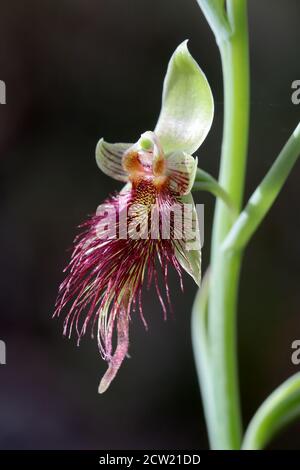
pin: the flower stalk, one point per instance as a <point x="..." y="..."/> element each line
<point x="214" y="12"/>
<point x="205" y="182"/>
<point x="214" y="311"/>
<point x="264" y="195"/>
<point x="224" y="408"/>
<point x="278" y="410"/>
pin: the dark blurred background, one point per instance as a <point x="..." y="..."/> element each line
<point x="76" y="71"/>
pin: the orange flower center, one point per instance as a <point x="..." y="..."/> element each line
<point x="143" y="166"/>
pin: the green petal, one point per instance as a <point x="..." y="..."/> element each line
<point x="109" y="159"/>
<point x="188" y="256"/>
<point x="181" y="169"/>
<point x="187" y="104"/>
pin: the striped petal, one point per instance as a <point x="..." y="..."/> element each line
<point x="181" y="170"/>
<point x="109" y="159"/>
<point x="188" y="250"/>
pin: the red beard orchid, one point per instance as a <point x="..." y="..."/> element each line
<point x="124" y="245"/>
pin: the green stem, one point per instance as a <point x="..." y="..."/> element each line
<point x="225" y="268"/>
<point x="279" y="409"/>
<point x="205" y="182"/>
<point x="201" y="347"/>
<point x="264" y="196"/>
<point x="214" y="11"/>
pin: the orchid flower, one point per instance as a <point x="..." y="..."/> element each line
<point x="106" y="273"/>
